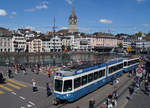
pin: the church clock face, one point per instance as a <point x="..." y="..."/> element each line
<point x="75" y="21"/>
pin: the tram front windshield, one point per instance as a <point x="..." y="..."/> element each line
<point x="58" y="85"/>
<point x="67" y="85"/>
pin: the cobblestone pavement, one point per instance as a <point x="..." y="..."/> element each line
<point x="140" y="100"/>
<point x="99" y="95"/>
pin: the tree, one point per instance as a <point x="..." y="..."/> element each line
<point x="69" y="48"/>
<point x="120" y="45"/>
<point x="138" y="34"/>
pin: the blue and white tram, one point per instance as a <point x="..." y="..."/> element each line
<point x="115" y="69"/>
<point x="130" y="64"/>
<point x="71" y="85"/>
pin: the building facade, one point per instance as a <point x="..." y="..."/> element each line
<point x="52" y="44"/>
<point x="6" y="43"/>
<point x="18" y="43"/>
<point x="34" y="46"/>
<point x="105" y="41"/>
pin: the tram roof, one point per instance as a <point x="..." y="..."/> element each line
<point x="76" y="69"/>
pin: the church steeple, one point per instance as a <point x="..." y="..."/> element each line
<point x="73" y="13"/>
<point x="73" y="21"/>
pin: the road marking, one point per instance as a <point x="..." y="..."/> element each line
<point x="13" y="93"/>
<point x="20" y="84"/>
<point x="1" y="92"/>
<point x="31" y="103"/>
<point x="12" y="85"/>
<point x="22" y="98"/>
<point x="6" y="88"/>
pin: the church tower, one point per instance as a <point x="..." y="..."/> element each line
<point x="73" y="22"/>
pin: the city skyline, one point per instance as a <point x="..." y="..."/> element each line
<point x="114" y="16"/>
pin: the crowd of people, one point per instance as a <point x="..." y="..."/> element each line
<point x="24" y="69"/>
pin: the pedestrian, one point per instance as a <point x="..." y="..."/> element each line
<point x="34" y="87"/>
<point x="9" y="73"/>
<point x="131" y="90"/>
<point x="91" y="103"/>
<point x="115" y="95"/>
<point x="49" y="73"/>
<point x="130" y="73"/>
<point x="2" y="79"/>
<point x="134" y="85"/>
<point x="48" y="90"/>
<point x="146" y="86"/>
<point x="112" y="80"/>
<point x="24" y="70"/>
<point x="116" y="84"/>
<point x="16" y="69"/>
<point x="32" y="68"/>
<point x="144" y="73"/>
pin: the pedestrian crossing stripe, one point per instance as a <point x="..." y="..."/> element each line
<point x="1" y="92"/>
<point x="17" y="83"/>
<point x="6" y="88"/>
<point x="12" y="85"/>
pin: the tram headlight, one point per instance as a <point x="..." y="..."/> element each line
<point x="67" y="95"/>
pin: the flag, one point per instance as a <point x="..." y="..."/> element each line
<point x="66" y="50"/>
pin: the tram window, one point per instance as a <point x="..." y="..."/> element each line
<point x="120" y="66"/>
<point x="103" y="72"/>
<point x="100" y="74"/>
<point x="84" y="80"/>
<point x="110" y="70"/>
<point x="90" y="77"/>
<point x="125" y="63"/>
<point x="95" y="75"/>
<point x="58" y="85"/>
<point x="67" y="85"/>
<point x="113" y="69"/>
<point x="77" y="82"/>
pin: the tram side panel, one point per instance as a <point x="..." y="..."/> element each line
<point x="89" y="84"/>
<point x="115" y="69"/>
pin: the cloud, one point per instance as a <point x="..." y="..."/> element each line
<point x="3" y="12"/>
<point x="11" y="17"/>
<point x="13" y="13"/>
<point x="69" y="2"/>
<point x="145" y="25"/>
<point x="42" y="5"/>
<point x="44" y="2"/>
<point x="63" y="28"/>
<point x="106" y="21"/>
<point x="29" y="10"/>
<point x="140" y="1"/>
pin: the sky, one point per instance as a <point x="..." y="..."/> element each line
<point x="110" y="16"/>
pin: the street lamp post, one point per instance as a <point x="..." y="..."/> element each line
<point x="103" y="49"/>
<point x="54" y="27"/>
